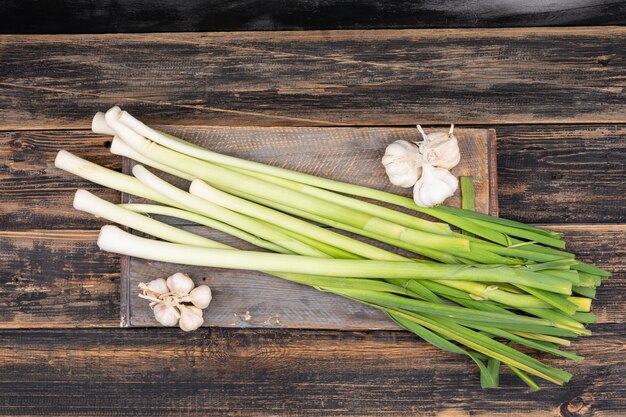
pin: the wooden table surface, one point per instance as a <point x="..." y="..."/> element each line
<point x="555" y="96"/>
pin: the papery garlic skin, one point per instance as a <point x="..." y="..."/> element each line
<point x="165" y="314"/>
<point x="180" y="283"/>
<point x="195" y="310"/>
<point x="200" y="296"/>
<point x="190" y="318"/>
<point x="434" y="187"/>
<point x="440" y="149"/>
<point x="402" y="163"/>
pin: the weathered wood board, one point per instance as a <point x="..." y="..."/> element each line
<point x="272" y="372"/>
<point x="319" y="78"/>
<point x="253" y="299"/>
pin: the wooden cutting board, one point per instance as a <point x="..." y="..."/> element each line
<point x="254" y="299"/>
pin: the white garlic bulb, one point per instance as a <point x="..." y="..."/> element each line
<point x="440" y="149"/>
<point x="175" y="301"/>
<point x="190" y="318"/>
<point x="435" y="185"/>
<point x="165" y="314"/>
<point x="402" y="163"/>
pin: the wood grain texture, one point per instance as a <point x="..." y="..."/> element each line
<point x="39" y="195"/>
<point x="58" y="278"/>
<point x="386" y="77"/>
<point x="579" y="170"/>
<point x="109" y="16"/>
<point x="61" y="279"/>
<point x="34" y="194"/>
<point x="552" y="174"/>
<point x="228" y="372"/>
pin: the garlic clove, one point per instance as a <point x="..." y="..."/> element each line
<point x="180" y="283"/>
<point x="158" y="286"/>
<point x="402" y="163"/>
<point x="440" y="149"/>
<point x="195" y="310"/>
<point x="200" y="296"/>
<point x="434" y="187"/>
<point x="190" y="318"/>
<point x="166" y="315"/>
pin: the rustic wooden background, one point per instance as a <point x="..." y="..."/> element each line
<point x="555" y="96"/>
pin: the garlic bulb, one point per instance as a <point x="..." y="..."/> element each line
<point x="175" y="301"/>
<point x="440" y="149"/>
<point x="435" y="185"/>
<point x="402" y="163"/>
<point x="424" y="166"/>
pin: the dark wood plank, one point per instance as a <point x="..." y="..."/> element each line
<point x="60" y="279"/>
<point x="108" y="16"/>
<point x="562" y="174"/>
<point x="37" y="195"/>
<point x="229" y="372"/>
<point x="57" y="278"/>
<point x="386" y="77"/>
<point x="547" y="174"/>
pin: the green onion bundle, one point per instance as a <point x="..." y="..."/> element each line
<point x="494" y="285"/>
